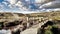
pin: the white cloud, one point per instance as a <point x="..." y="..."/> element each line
<point x="43" y="1"/>
<point x="26" y="0"/>
<point x="25" y="6"/>
<point x="11" y="6"/>
<point x="20" y="5"/>
<point x="51" y="6"/>
<point x="5" y="3"/>
<point x="46" y="5"/>
<point x="12" y="1"/>
<point x="25" y="12"/>
<point x="40" y="1"/>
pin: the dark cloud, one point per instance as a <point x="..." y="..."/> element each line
<point x="51" y="5"/>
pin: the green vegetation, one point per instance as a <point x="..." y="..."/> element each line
<point x="48" y="30"/>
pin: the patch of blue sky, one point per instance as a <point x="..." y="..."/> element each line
<point x="33" y="6"/>
<point x="1" y="1"/>
<point x="32" y="1"/>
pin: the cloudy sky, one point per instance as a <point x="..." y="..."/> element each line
<point x="27" y="6"/>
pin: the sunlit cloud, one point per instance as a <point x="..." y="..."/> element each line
<point x="12" y="1"/>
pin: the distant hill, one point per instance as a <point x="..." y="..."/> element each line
<point x="16" y="16"/>
<point x="53" y="14"/>
<point x="46" y="13"/>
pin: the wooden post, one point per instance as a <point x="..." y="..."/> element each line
<point x="27" y="22"/>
